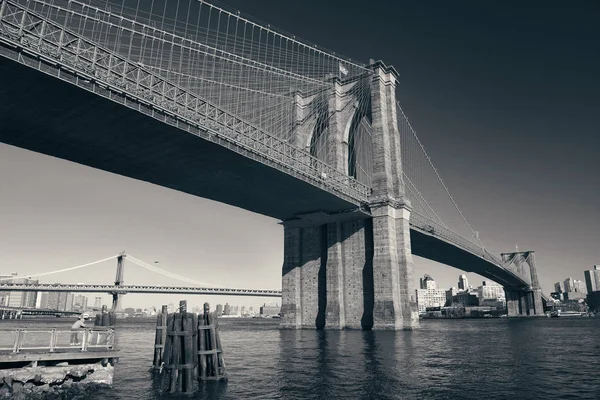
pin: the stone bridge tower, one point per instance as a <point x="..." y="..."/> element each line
<point x="520" y="301"/>
<point x="352" y="272"/>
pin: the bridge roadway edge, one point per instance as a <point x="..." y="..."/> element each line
<point x="82" y="127"/>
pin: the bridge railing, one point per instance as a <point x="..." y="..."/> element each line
<point x="82" y="62"/>
<point x="53" y="340"/>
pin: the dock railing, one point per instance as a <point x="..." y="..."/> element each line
<point x="54" y="340"/>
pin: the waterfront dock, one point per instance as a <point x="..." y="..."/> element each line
<point x="52" y="360"/>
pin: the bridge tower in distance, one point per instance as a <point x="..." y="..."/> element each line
<point x="354" y="272"/>
<point x="522" y="302"/>
<point x="117" y="299"/>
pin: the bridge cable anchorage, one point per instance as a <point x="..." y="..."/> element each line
<point x="160" y="271"/>
<point x="61" y="270"/>
<point x="437" y="175"/>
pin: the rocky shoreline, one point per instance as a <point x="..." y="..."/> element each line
<point x="54" y="382"/>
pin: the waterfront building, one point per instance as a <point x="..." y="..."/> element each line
<point x="490" y="292"/>
<point x="592" y="279"/>
<point x="463" y="282"/>
<point x="464" y="299"/>
<point x="219" y="309"/>
<point x="593" y="301"/>
<point x="574" y="296"/>
<point x="429" y="296"/>
<point x="227" y="309"/>
<point x="270" y="309"/>
<point x="450" y="293"/>
<point x="98" y="302"/>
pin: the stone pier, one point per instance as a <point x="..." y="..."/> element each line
<point x="522" y="302"/>
<point x="354" y="274"/>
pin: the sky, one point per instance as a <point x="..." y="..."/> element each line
<point x="504" y="96"/>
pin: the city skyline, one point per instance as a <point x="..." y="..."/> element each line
<point x="495" y="127"/>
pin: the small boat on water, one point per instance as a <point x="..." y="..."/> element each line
<point x="562" y="314"/>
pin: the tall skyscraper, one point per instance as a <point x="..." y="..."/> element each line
<point x="98" y="302"/>
<point x="56" y="301"/>
<point x="579" y="286"/>
<point x="227" y="309"/>
<point x="569" y="285"/>
<point x="463" y="283"/>
<point x="558" y="287"/>
<point x="219" y="309"/>
<point x="592" y="279"/>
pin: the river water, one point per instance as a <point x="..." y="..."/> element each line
<point x="444" y="359"/>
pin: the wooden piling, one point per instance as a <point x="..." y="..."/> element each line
<point x="212" y="366"/>
<point x="175" y="354"/>
<point x="160" y="337"/>
<point x="179" y="360"/>
<point x="201" y="348"/>
<point x="188" y="356"/>
<point x="165" y="371"/>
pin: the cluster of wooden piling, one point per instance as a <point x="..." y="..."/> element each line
<point x="105" y="318"/>
<point x="187" y="348"/>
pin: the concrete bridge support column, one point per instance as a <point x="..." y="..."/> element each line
<point x="394" y="294"/>
<point x="303" y="297"/>
<point x="512" y="303"/>
<point x="349" y="275"/>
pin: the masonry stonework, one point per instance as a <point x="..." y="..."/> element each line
<point x="354" y="274"/>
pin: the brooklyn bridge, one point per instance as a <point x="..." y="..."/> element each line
<point x="202" y="100"/>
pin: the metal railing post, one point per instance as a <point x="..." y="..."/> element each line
<point x="84" y="340"/>
<point x="17" y="341"/>
<point x="52" y="340"/>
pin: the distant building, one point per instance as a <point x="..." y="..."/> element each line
<point x="427" y="282"/>
<point x="463" y="282"/>
<point x="80" y="303"/>
<point x="70" y="298"/>
<point x="18" y="299"/>
<point x="490" y="292"/>
<point x="227" y="309"/>
<point x="592" y="279"/>
<point x="55" y="301"/>
<point x="464" y="299"/>
<point x="574" y="296"/>
<point x="593" y="300"/>
<point x="451" y="293"/>
<point x="270" y="309"/>
<point x="428" y="296"/>
<point x="219" y="309"/>
<point x="558" y="288"/>
<point x="573" y="285"/>
<point x="98" y="302"/>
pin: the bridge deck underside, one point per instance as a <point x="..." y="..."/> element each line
<point x="436" y="249"/>
<point x="46" y="115"/>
